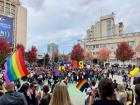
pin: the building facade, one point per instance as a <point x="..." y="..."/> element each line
<point x="12" y="9"/>
<point x="52" y="47"/>
<point x="109" y="35"/>
<point x="105" y="27"/>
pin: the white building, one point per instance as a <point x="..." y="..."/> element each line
<point x="106" y="33"/>
<point x="12" y="9"/>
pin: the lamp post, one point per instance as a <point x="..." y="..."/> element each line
<point x="44" y="60"/>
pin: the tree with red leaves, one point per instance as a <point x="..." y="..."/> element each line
<point x="32" y="54"/>
<point x="77" y="53"/>
<point x="138" y="53"/>
<point x="20" y="46"/>
<point x="103" y="54"/>
<point x="55" y="56"/>
<point x="4" y="50"/>
<point x="88" y="55"/>
<point x="124" y="52"/>
<point x="66" y="58"/>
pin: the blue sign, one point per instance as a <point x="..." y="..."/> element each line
<point x="6" y="29"/>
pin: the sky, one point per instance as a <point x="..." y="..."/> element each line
<point x="64" y="22"/>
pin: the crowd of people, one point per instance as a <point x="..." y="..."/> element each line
<point x="46" y="87"/>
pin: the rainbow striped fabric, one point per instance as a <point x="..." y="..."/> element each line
<point x="82" y="85"/>
<point x="15" y="67"/>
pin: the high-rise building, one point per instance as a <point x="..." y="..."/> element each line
<point x="13" y="22"/>
<point x="52" y="47"/>
<point x="106" y="27"/>
<point x="105" y="33"/>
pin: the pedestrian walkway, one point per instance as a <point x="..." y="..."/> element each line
<point x="76" y="96"/>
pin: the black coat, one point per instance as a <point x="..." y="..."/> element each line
<point x="45" y="100"/>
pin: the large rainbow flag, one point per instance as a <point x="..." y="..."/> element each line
<point x="15" y="67"/>
<point x="82" y="85"/>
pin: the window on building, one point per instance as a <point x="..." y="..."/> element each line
<point x="101" y="46"/>
<point x="132" y="43"/>
<point x="1" y="2"/>
<point x="7" y="9"/>
<point x="7" y="4"/>
<point x="13" y="6"/>
<point x="97" y="45"/>
<point x="109" y="27"/>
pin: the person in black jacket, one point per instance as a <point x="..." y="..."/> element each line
<point x="34" y="94"/>
<point x="137" y="91"/>
<point x="46" y="97"/>
<point x="24" y="89"/>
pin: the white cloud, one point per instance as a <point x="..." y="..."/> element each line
<point x="66" y="21"/>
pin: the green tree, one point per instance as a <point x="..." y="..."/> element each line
<point x="46" y="59"/>
<point x="55" y="56"/>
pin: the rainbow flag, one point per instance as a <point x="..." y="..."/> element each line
<point x="15" y="67"/>
<point x="82" y="85"/>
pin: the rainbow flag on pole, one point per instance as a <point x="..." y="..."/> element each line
<point x="15" y="67"/>
<point x="82" y="85"/>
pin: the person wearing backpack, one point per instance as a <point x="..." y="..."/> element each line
<point x="11" y="97"/>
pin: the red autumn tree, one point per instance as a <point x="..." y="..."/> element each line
<point x="66" y="58"/>
<point x="124" y="52"/>
<point x="55" y="56"/>
<point x="137" y="50"/>
<point x="77" y="53"/>
<point x="4" y="50"/>
<point x="20" y="46"/>
<point x="88" y="55"/>
<point x="32" y="54"/>
<point x="103" y="54"/>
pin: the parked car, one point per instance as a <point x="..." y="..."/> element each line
<point x="115" y="65"/>
<point x="123" y="66"/>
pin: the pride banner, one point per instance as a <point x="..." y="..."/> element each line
<point x="15" y="67"/>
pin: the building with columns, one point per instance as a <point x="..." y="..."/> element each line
<point x="106" y="33"/>
<point x="13" y="28"/>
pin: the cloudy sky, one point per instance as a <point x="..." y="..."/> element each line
<point x="66" y="21"/>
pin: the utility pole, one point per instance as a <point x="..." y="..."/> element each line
<point x="44" y="59"/>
